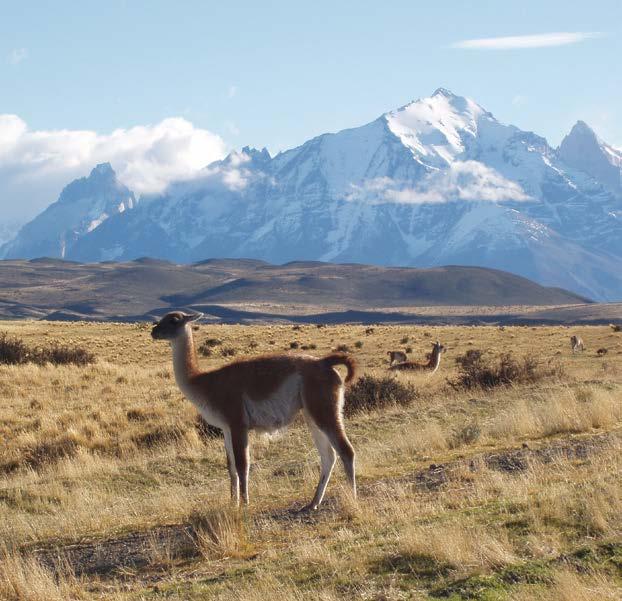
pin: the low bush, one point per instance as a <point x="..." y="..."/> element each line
<point x="476" y="371"/>
<point x="15" y="352"/>
<point x="372" y="392"/>
<point x="206" y="348"/>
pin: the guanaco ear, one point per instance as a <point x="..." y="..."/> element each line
<point x="193" y="317"/>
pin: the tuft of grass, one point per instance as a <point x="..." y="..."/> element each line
<point x="25" y="579"/>
<point x="221" y="533"/>
<point x="372" y="392"/>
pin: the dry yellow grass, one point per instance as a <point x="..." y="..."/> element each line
<point x="93" y="453"/>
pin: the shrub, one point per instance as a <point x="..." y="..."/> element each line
<point x="343" y="348"/>
<point x="206" y="351"/>
<point x="358" y="344"/>
<point x="294" y="345"/>
<point x="372" y="392"/>
<point x="207" y="347"/>
<point x="14" y="352"/>
<point x="404" y="340"/>
<point x="64" y="355"/>
<point x="227" y="351"/>
<point x="477" y="372"/>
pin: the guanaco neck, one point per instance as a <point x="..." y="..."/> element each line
<point x="185" y="363"/>
<point x="435" y="360"/>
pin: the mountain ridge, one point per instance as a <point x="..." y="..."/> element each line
<point x="53" y="288"/>
<point x="435" y="182"/>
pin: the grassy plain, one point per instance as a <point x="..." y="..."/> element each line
<point x="108" y="491"/>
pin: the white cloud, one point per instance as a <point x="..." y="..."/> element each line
<point x="463" y="180"/>
<point x="36" y="165"/>
<point x="17" y="55"/>
<point x="541" y="40"/>
<point x="233" y="90"/>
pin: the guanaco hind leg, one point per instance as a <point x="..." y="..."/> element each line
<point x="327" y="461"/>
<point x="326" y="418"/>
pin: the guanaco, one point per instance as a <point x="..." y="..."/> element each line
<point x="432" y="365"/>
<point x="576" y="344"/>
<point x="264" y="394"/>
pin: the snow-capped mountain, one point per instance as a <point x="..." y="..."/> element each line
<point x="585" y="151"/>
<point x="82" y="206"/>
<point x="438" y="181"/>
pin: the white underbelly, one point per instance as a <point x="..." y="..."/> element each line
<point x="209" y="414"/>
<point x="277" y="410"/>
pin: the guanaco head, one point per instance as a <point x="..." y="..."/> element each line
<point x="173" y="324"/>
<point x="438" y="348"/>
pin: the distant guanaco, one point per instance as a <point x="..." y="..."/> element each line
<point x="396" y="357"/>
<point x="576" y="344"/>
<point x="265" y="394"/>
<point x="432" y="365"/>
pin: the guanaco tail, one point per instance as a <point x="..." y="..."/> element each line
<point x="264" y="394"/>
<point x="432" y="365"/>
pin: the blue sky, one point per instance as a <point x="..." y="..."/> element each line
<point x="277" y="73"/>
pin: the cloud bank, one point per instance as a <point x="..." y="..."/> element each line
<point x="462" y="180"/>
<point x="36" y="165"/>
<point x="542" y="40"/>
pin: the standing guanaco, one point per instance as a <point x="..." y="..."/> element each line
<point x="265" y="394"/>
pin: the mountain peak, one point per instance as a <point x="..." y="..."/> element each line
<point x="256" y="154"/>
<point x="583" y="129"/>
<point x="584" y="150"/>
<point x="444" y="92"/>
<point x="103" y="169"/>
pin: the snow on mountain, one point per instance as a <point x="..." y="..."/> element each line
<point x="438" y="181"/>
<point x="82" y="206"/>
<point x="584" y="150"/>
